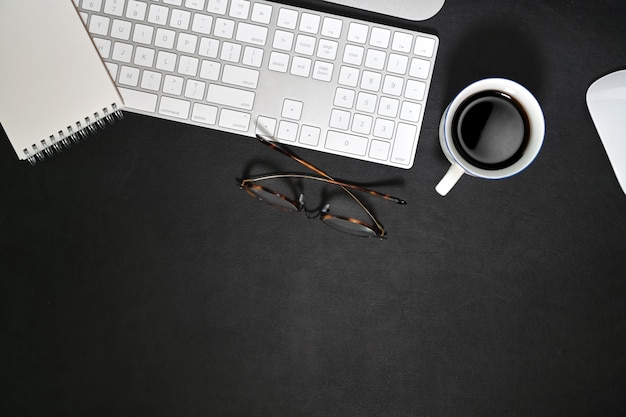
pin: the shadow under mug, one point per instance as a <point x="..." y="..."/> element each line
<point x="533" y="133"/>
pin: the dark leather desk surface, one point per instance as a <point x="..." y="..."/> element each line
<point x="138" y="280"/>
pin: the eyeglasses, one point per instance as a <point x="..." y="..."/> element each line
<point x="351" y="225"/>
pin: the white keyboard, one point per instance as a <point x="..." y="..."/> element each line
<point x="306" y="78"/>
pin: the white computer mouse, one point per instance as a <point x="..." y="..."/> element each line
<point x="606" y="100"/>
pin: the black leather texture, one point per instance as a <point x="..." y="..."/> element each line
<point x="139" y="280"/>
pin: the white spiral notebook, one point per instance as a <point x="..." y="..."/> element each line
<point x="54" y="88"/>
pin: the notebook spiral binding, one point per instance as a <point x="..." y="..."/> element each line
<point x="73" y="134"/>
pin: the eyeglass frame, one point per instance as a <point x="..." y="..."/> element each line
<point x="247" y="183"/>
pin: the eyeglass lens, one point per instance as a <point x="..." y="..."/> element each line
<point x="347" y="225"/>
<point x="272" y="198"/>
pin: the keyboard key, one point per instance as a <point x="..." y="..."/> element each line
<point x="305" y="45"/>
<point x="287" y="18"/>
<point x="230" y="52"/>
<point x="292" y="109"/>
<point x="410" y="111"/>
<point x="99" y="25"/>
<point x="348" y="76"/>
<point x="232" y="97"/>
<point x="121" y="29"/>
<point x="204" y="113"/>
<point x="393" y="85"/>
<point x="406" y="137"/>
<point x="104" y="46"/>
<point x="144" y="57"/>
<point x="366" y="102"/>
<point x="180" y="19"/>
<point x="129" y="76"/>
<point x="136" y="10"/>
<point x="388" y="107"/>
<point x="357" y="32"/>
<point x="241" y="77"/>
<point x="300" y="66"/>
<point x="375" y="59"/>
<point x="344" y="98"/>
<point x="151" y="80"/>
<point x="265" y="126"/>
<point x="331" y="27"/>
<point x="397" y="64"/>
<point x="114" y="7"/>
<point x="379" y="150"/>
<point x="194" y="4"/>
<point x="174" y="107"/>
<point x="173" y="85"/>
<point x="261" y="13"/>
<point x="353" y="55"/>
<point x="339" y="119"/>
<point x="143" y="34"/>
<point x="239" y="9"/>
<point x="166" y="61"/>
<point x="362" y="124"/>
<point x="217" y="6"/>
<point x="383" y="128"/>
<point x="188" y="65"/>
<point x="322" y="71"/>
<point x="371" y="81"/>
<point x="210" y="70"/>
<point x="235" y="120"/>
<point x="164" y="38"/>
<point x="209" y="47"/>
<point x="122" y="52"/>
<point x="202" y="23"/>
<point x="283" y="40"/>
<point x="343" y="142"/>
<point x="224" y="28"/>
<point x="139" y="100"/>
<point x="93" y="5"/>
<point x="424" y="46"/>
<point x="158" y="14"/>
<point x="419" y="68"/>
<point x="195" y="89"/>
<point x="187" y="43"/>
<point x="415" y="90"/>
<point x="309" y="23"/>
<point x="279" y="62"/>
<point x="327" y="49"/>
<point x="252" y="56"/>
<point x="287" y="131"/>
<point x="380" y="37"/>
<point x="310" y="135"/>
<point x="253" y="34"/>
<point x="402" y="42"/>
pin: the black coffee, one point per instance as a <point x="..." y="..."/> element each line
<point x="490" y="130"/>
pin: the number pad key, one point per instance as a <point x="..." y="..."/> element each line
<point x="343" y="142"/>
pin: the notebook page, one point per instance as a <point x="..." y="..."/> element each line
<point x="51" y="73"/>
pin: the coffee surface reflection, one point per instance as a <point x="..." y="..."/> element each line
<point x="490" y="130"/>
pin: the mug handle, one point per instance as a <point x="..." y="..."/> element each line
<point x="447" y="182"/>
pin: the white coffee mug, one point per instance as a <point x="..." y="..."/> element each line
<point x="521" y="122"/>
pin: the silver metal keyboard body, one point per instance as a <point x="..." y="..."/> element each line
<point x="306" y="78"/>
